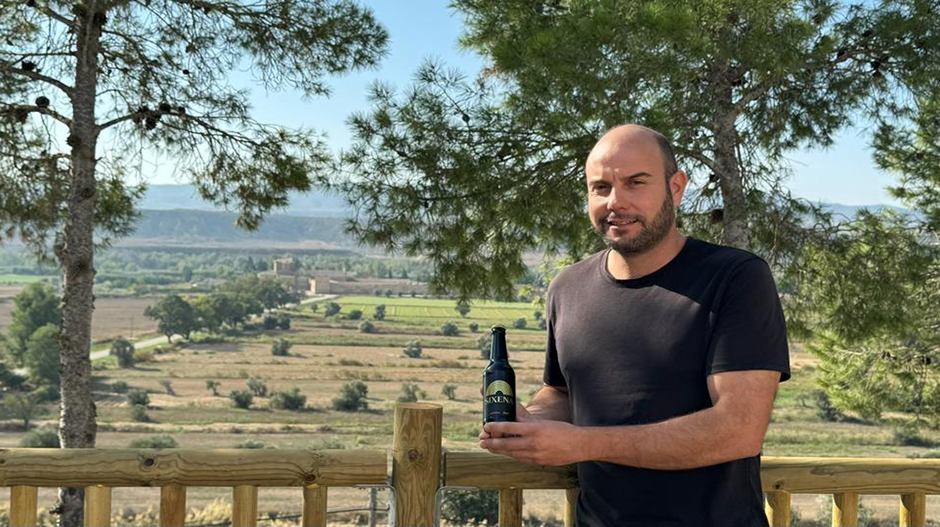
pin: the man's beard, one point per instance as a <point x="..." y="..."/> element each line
<point x="651" y="232"/>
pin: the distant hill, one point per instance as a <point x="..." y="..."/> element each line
<point x="314" y="203"/>
<point x="218" y="229"/>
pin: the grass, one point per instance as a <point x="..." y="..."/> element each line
<point x="24" y="278"/>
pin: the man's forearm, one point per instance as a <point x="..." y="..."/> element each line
<point x="695" y="440"/>
<point x="550" y="403"/>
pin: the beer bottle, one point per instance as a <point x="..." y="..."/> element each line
<point x="499" y="381"/>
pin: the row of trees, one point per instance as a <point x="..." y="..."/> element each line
<point x="233" y="304"/>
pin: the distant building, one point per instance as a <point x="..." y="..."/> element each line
<point x="322" y="282"/>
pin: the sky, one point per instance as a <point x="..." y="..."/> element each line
<point x="427" y="29"/>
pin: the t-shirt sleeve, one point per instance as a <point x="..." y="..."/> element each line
<point x="552" y="375"/>
<point x="749" y="330"/>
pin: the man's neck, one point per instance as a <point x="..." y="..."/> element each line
<point x="636" y="266"/>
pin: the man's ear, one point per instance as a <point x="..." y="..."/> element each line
<point x="677" y="184"/>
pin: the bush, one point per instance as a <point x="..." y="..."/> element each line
<point x="138" y="397"/>
<point x="410" y="393"/>
<point x="161" y="441"/>
<point x="213" y="386"/>
<point x="21" y="406"/>
<point x="46" y="394"/>
<point x="908" y="436"/>
<point x="139" y="413"/>
<point x="119" y="387"/>
<point x="824" y="409"/>
<point x="281" y="347"/>
<point x="519" y="323"/>
<point x="461" y="507"/>
<point x="449" y="329"/>
<point x="354" y="314"/>
<point x="378" y="313"/>
<point x="168" y="386"/>
<point x="352" y="397"/>
<point x="269" y="322"/>
<point x="291" y="400"/>
<point x="332" y="308"/>
<point x="251" y="444"/>
<point x="283" y="321"/>
<point x="241" y="398"/>
<point x="462" y="308"/>
<point x="484" y="343"/>
<point x="537" y="314"/>
<point x="145" y="355"/>
<point x="413" y="349"/>
<point x="542" y="324"/>
<point x="257" y="387"/>
<point x="366" y="327"/>
<point x="123" y="350"/>
<point x="46" y="436"/>
<point x="449" y="390"/>
<point x="474" y="327"/>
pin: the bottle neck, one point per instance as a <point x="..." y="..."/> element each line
<point x="498" y="352"/>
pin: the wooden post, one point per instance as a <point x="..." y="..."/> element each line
<point x="23" y="503"/>
<point x="314" y="506"/>
<point x="510" y="507"/>
<point x="172" y="506"/>
<point x="97" y="506"/>
<point x="777" y="508"/>
<point x="245" y="506"/>
<point x="913" y="510"/>
<point x="571" y="505"/>
<point x="416" y="462"/>
<point x="845" y="509"/>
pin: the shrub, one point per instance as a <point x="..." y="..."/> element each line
<point x="413" y="349"/>
<point x="354" y="314"/>
<point x="241" y="398"/>
<point x="119" y="387"/>
<point x="484" y="343"/>
<point x="519" y="323"/>
<point x="213" y="386"/>
<point x="139" y="413"/>
<point x="144" y="355"/>
<point x="332" y="308"/>
<point x="46" y="394"/>
<point x="123" y="351"/>
<point x="251" y="444"/>
<point x="474" y="327"/>
<point x="542" y="324"/>
<point x="168" y="386"/>
<point x="449" y="329"/>
<point x="908" y="436"/>
<point x="291" y="400"/>
<point x="366" y="327"/>
<point x="462" y="308"/>
<point x="161" y="441"/>
<point x="257" y="387"/>
<point x="269" y="322"/>
<point x="281" y="347"/>
<point x="378" y="313"/>
<point x="825" y="410"/>
<point x="461" y="507"/>
<point x="21" y="406"/>
<point x="352" y="397"/>
<point x="537" y="314"/>
<point x="46" y="436"/>
<point x="449" y="390"/>
<point x="410" y="393"/>
<point x="283" y="321"/>
<point x="138" y="397"/>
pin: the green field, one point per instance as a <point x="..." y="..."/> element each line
<point x="23" y="278"/>
<point x="330" y="352"/>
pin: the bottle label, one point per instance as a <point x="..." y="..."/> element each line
<point x="499" y="392"/>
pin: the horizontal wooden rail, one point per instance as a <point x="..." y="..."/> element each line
<point x="833" y="475"/>
<point x="46" y="467"/>
<point x="492" y="471"/>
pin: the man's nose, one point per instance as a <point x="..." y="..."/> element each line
<point x="617" y="199"/>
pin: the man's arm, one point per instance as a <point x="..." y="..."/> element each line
<point x="550" y="402"/>
<point x="732" y="428"/>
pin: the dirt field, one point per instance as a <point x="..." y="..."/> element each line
<point x="112" y="317"/>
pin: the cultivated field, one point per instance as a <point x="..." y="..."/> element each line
<point x="327" y="353"/>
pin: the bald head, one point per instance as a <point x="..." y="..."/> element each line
<point x="633" y="136"/>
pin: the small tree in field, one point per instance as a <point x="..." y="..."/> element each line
<point x="352" y="397"/>
<point x="213" y="386"/>
<point x="123" y="350"/>
<point x="378" y="313"/>
<point x="21" y="406"/>
<point x="332" y="308"/>
<point x="463" y="308"/>
<point x="449" y="329"/>
<point x="241" y="398"/>
<point x="410" y="393"/>
<point x="449" y="390"/>
<point x="413" y="350"/>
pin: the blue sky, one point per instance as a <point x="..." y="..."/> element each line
<point x="422" y="29"/>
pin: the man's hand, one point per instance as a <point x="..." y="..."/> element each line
<point x="534" y="440"/>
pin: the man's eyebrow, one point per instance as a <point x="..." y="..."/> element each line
<point x="636" y="175"/>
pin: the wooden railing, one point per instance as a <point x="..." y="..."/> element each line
<point x="418" y="472"/>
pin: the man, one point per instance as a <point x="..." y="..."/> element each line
<point x="663" y="358"/>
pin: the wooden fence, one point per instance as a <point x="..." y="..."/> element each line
<point x="418" y="472"/>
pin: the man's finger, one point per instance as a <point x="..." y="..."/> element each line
<point x="497" y="429"/>
<point x="500" y="445"/>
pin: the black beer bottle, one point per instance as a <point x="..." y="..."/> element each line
<point x="499" y="382"/>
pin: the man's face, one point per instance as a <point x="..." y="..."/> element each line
<point x="629" y="203"/>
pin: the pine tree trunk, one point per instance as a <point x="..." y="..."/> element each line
<point x="735" y="217"/>
<point x="77" y="424"/>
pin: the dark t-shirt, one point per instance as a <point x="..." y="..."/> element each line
<point x="638" y="351"/>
